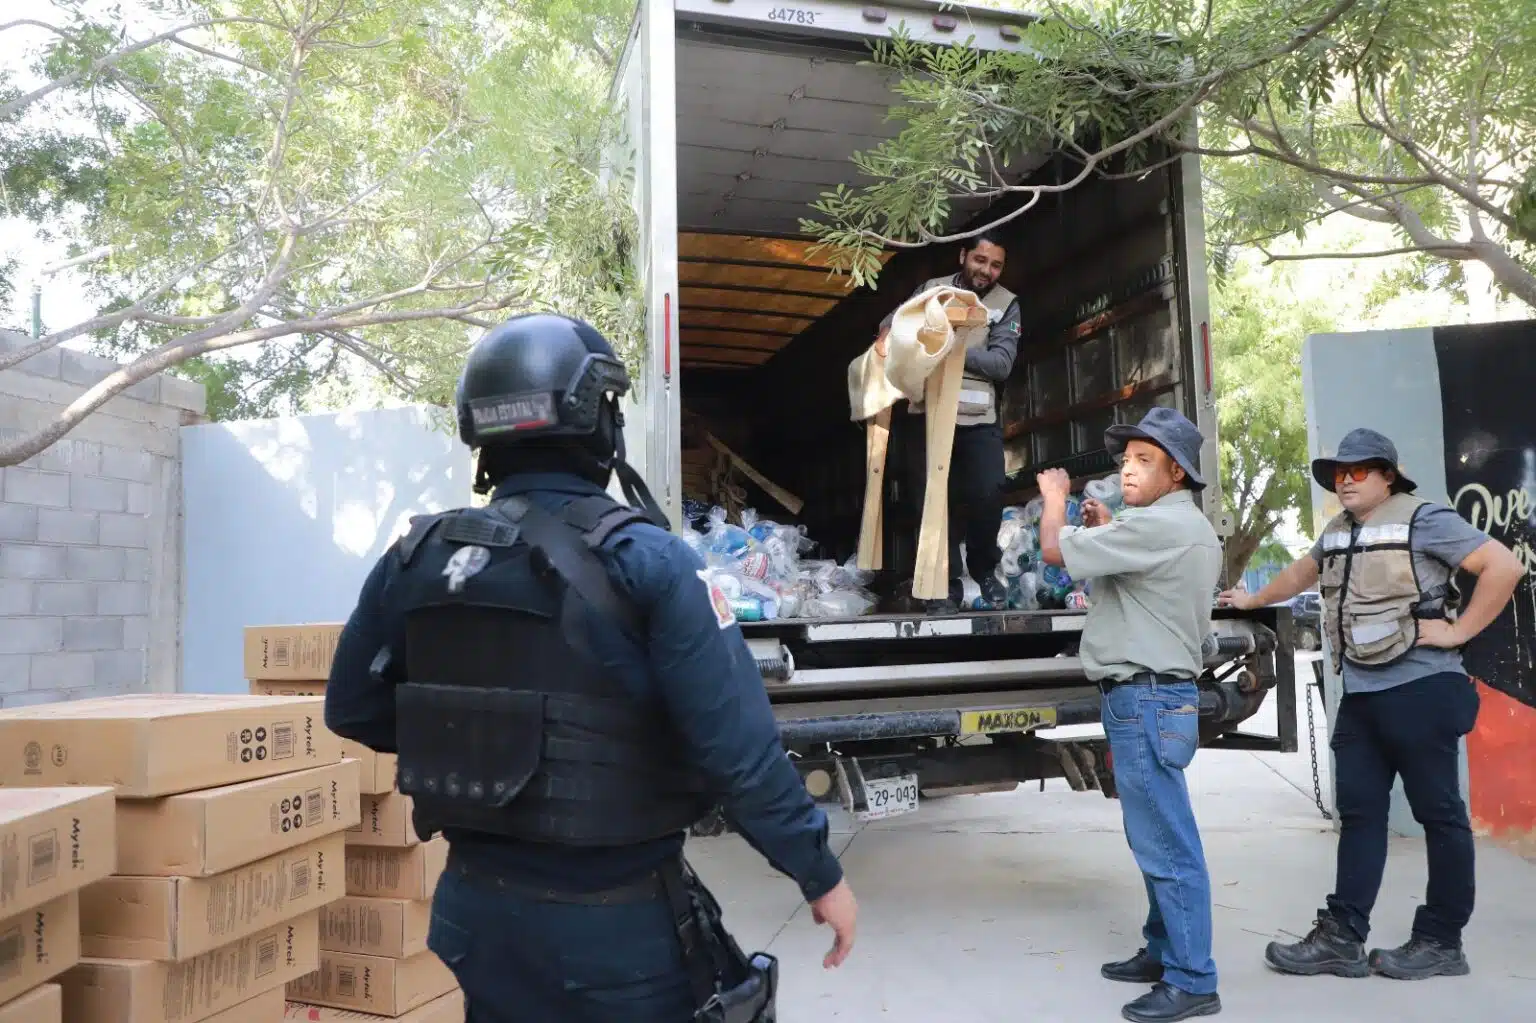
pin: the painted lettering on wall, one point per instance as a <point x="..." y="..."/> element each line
<point x="1504" y="516"/>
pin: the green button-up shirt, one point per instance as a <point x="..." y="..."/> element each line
<point x="1154" y="573"/>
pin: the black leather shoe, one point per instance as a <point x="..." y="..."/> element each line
<point x="940" y="607"/>
<point x="1140" y="968"/>
<point x="1330" y="948"/>
<point x="1419" y="959"/>
<point x="1166" y="1003"/>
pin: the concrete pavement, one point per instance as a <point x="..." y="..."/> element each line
<point x="1002" y="906"/>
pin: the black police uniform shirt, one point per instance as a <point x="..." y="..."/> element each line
<point x="696" y="663"/>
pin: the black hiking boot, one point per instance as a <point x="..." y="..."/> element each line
<point x="1166" y="1003"/>
<point x="1419" y="959"/>
<point x="1330" y="948"/>
<point x="1140" y="968"/>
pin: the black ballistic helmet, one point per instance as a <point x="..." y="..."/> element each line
<point x="541" y="377"/>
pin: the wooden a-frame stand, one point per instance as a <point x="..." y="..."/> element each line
<point x="941" y="403"/>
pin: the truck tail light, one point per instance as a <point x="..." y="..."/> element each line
<point x="1205" y="349"/>
<point x="666" y="336"/>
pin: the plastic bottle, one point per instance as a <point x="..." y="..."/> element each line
<point x="1107" y="492"/>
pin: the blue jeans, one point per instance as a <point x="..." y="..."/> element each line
<point x="520" y="960"/>
<point x="1154" y="730"/>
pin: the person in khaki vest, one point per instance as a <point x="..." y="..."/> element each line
<point x="976" y="468"/>
<point x="1395" y="625"/>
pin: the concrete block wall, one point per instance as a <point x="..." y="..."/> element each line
<point x="90" y="534"/>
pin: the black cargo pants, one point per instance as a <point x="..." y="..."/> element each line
<point x="521" y="959"/>
<point x="1413" y="732"/>
<point x="975" y="492"/>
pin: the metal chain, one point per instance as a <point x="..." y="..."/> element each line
<point x="1317" y="785"/>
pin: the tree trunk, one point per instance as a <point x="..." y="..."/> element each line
<point x="1236" y="555"/>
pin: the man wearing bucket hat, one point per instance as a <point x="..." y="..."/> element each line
<point x="1154" y="568"/>
<point x="1394" y="623"/>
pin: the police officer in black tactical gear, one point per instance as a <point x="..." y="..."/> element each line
<point x="567" y="694"/>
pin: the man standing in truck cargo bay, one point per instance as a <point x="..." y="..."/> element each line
<point x="1153" y="570"/>
<point x="568" y="693"/>
<point x="1395" y="628"/>
<point x="976" y="470"/>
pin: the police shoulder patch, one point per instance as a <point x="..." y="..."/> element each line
<point x="724" y="616"/>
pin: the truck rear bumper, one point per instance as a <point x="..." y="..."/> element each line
<point x="846" y="689"/>
<point x="814" y="724"/>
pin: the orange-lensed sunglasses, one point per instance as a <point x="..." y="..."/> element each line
<point x="1354" y="473"/>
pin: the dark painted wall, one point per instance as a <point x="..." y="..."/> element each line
<point x="1487" y="381"/>
<point x="1487" y="384"/>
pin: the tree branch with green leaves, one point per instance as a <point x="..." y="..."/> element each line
<point x="362" y="183"/>
<point x="1418" y="114"/>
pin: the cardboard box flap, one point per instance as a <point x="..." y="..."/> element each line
<point x="43" y="1004"/>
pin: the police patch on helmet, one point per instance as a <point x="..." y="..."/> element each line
<point x="505" y="413"/>
<point x="724" y="616"/>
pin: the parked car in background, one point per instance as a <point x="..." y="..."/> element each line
<point x="1307" y="614"/>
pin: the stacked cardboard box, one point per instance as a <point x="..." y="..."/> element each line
<point x="373" y="943"/>
<point x="228" y="823"/>
<point x="53" y="843"/>
<point x="447" y="1008"/>
<point x="295" y="660"/>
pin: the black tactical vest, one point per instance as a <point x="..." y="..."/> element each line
<point x="507" y="724"/>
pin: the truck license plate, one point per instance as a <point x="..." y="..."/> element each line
<point x="1007" y="719"/>
<point x="889" y="797"/>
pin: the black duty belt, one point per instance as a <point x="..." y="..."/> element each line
<point x="1142" y="678"/>
<point x="647" y="888"/>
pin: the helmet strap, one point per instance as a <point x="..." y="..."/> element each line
<point x="630" y="482"/>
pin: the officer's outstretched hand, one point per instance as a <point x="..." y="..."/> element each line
<point x="838" y="910"/>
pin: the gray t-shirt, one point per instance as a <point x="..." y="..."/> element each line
<point x="1441" y="535"/>
<point x="1154" y="572"/>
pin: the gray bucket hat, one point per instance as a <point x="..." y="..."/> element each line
<point x="1168" y="430"/>
<point x="1361" y="446"/>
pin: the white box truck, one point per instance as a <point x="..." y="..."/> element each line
<point x="739" y="115"/>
